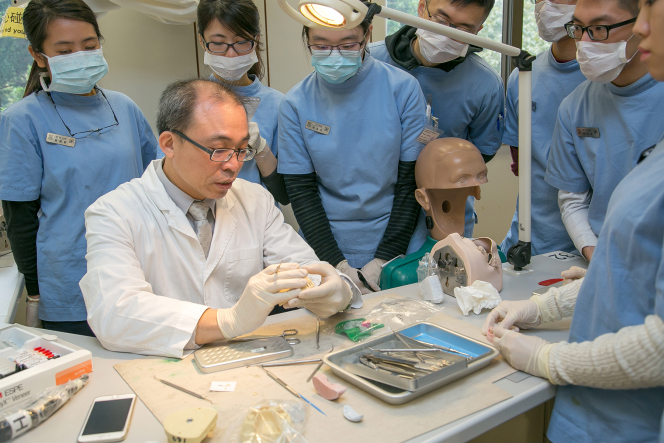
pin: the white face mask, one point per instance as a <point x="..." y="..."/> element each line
<point x="230" y="68"/>
<point x="436" y="48"/>
<point x="551" y="19"/>
<point x="602" y="62"/>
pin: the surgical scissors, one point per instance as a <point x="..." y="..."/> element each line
<point x="286" y="335"/>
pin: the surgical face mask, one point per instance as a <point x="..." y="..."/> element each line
<point x="338" y="66"/>
<point x="551" y="19"/>
<point x="602" y="62"/>
<point x="75" y="73"/>
<point x="436" y="48"/>
<point x="230" y="68"/>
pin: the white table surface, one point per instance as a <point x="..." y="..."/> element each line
<point x="527" y="391"/>
<point x="11" y="288"/>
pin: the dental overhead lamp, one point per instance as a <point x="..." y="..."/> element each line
<point x="347" y="14"/>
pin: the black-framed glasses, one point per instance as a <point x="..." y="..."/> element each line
<point x="90" y="131"/>
<point x="345" y="47"/>
<point x="222" y="48"/>
<point x="558" y="2"/>
<point x="442" y="20"/>
<point x="221" y="155"/>
<point x="596" y="33"/>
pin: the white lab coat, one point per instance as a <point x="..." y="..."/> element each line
<point x="148" y="281"/>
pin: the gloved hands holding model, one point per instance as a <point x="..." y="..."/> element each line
<point x="259" y="297"/>
<point x="331" y="296"/>
<point x="255" y="140"/>
<point x="573" y="273"/>
<point x="371" y="272"/>
<point x="351" y="273"/>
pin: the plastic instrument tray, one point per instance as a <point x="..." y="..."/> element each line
<point x="398" y="390"/>
<point x="242" y="353"/>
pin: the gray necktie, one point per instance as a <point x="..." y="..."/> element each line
<point x="199" y="211"/>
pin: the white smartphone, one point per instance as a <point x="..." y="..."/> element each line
<point x="108" y="419"/>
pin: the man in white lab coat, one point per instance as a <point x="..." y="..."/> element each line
<point x="187" y="254"/>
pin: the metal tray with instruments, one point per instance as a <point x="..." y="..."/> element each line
<point x="235" y="354"/>
<point x="461" y="356"/>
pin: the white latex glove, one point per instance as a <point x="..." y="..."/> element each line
<point x="371" y="272"/>
<point x="523" y="314"/>
<point x="259" y="297"/>
<point x="351" y="273"/>
<point x="32" y="312"/>
<point x="331" y="296"/>
<point x="526" y="353"/>
<point x="573" y="273"/>
<point x="255" y="140"/>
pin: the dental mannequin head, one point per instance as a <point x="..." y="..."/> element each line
<point x="214" y="117"/>
<point x="447" y="172"/>
<point x="615" y="59"/>
<point x="432" y="49"/>
<point x="231" y="22"/>
<point x="649" y="27"/>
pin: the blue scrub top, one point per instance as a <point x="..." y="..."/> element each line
<point x="266" y="117"/>
<point x="624" y="284"/>
<point x="375" y="118"/>
<point x="68" y="180"/>
<point x="630" y="119"/>
<point x="469" y="102"/>
<point x="552" y="82"/>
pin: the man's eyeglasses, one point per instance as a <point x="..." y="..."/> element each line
<point x="442" y="20"/>
<point x="222" y="48"/>
<point x="221" y="155"/>
<point x="558" y="2"/>
<point x="596" y="33"/>
<point x="353" y="47"/>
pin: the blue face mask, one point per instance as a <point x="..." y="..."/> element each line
<point x="75" y="73"/>
<point x="336" y="67"/>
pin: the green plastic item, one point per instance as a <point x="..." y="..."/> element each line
<point x="403" y="271"/>
<point x="357" y="328"/>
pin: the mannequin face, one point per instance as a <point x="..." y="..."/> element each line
<point x="447" y="171"/>
<point x="463" y="261"/>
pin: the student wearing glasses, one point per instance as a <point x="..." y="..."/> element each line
<point x="230" y="35"/>
<point x="66" y="143"/>
<point x="467" y="95"/>
<point x="347" y="148"/>
<point x="556" y="74"/>
<point x="606" y="123"/>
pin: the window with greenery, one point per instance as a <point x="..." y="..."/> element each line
<point x="15" y="63"/>
<point x="531" y="39"/>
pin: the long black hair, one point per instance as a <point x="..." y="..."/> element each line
<point x="241" y="17"/>
<point x="36" y="18"/>
<point x="364" y="24"/>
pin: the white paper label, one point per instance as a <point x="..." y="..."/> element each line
<point x="257" y="350"/>
<point x="317" y="127"/>
<point x="60" y="140"/>
<point x="561" y="256"/>
<point x="20" y="423"/>
<point x="223" y="386"/>
<point x="429" y="134"/>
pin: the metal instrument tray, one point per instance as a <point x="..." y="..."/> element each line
<point x="342" y="361"/>
<point x="243" y="353"/>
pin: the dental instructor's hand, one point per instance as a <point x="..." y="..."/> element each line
<point x="331" y="296"/>
<point x="259" y="297"/>
<point x="351" y="273"/>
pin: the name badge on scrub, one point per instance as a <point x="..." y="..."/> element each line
<point x="60" y="140"/>
<point x="588" y="132"/>
<point x="317" y="127"/>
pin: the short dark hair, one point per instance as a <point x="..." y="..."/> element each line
<point x="365" y="26"/>
<point x="178" y="102"/>
<point x="486" y="4"/>
<point x="241" y="17"/>
<point x="631" y="6"/>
